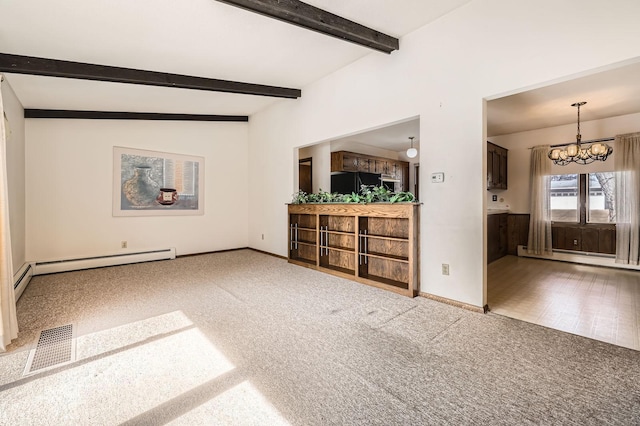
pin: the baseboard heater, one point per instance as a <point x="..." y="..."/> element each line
<point x="21" y="279"/>
<point x="585" y="258"/>
<point x="74" y="264"/>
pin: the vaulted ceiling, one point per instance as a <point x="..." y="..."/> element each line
<point x="217" y="40"/>
<point x="202" y="38"/>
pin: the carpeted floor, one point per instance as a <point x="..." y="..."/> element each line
<point x="244" y="338"/>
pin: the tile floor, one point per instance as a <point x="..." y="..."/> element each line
<point x="595" y="302"/>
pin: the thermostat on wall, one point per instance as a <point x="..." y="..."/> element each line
<point x="437" y="177"/>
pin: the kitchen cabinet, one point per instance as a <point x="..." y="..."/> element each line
<point x="352" y="163"/>
<point x="497" y="241"/>
<point x="344" y="161"/>
<point x="381" y="167"/>
<point x="374" y="244"/>
<point x="496" y="166"/>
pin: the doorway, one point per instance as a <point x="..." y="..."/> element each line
<point x="305" y="175"/>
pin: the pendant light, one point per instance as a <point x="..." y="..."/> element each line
<point x="412" y="152"/>
<point x="576" y="153"/>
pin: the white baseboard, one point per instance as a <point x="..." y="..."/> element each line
<point x="74" y="264"/>
<point x="21" y="279"/>
<point x="585" y="258"/>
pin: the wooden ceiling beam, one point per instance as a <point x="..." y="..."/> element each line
<point x="118" y="115"/>
<point x="310" y="17"/>
<point x="79" y="70"/>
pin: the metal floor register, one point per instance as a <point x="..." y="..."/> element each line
<point x="55" y="347"/>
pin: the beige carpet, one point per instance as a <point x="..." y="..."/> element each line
<point x="244" y="338"/>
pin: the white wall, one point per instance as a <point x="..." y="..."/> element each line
<point x="518" y="144"/>
<point x="15" y="173"/>
<point x="69" y="179"/>
<point x="441" y="73"/>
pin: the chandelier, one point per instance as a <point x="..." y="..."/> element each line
<point x="576" y="153"/>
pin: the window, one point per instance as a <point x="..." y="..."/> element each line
<point x="564" y="198"/>
<point x="583" y="198"/>
<point x="602" y="192"/>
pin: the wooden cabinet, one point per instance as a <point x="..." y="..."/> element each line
<point x="496" y="167"/>
<point x="375" y="244"/>
<point x="303" y="237"/>
<point x="381" y="166"/>
<point x="344" y="161"/>
<point x="497" y="241"/>
<point x="592" y="237"/>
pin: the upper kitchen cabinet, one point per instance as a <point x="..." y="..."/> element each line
<point x="496" y="166"/>
<point x="342" y="161"/>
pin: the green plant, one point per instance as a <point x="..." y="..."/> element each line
<point x="368" y="194"/>
<point x="402" y="197"/>
<point x="299" y="197"/>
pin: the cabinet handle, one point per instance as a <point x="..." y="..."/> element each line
<point x="291" y="237"/>
<point x="326" y="240"/>
<point x="296" y="238"/>
<point x="366" y="247"/>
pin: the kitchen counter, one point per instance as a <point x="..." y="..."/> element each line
<point x="498" y="211"/>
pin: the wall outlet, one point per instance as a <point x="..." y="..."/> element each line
<point x="494" y="198"/>
<point x="123" y="244"/>
<point x="445" y="269"/>
<point x="263" y="236"/>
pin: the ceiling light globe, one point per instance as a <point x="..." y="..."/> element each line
<point x="554" y="154"/>
<point x="412" y="152"/>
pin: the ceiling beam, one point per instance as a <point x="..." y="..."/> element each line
<point x="306" y="16"/>
<point x="117" y="115"/>
<point x="79" y="70"/>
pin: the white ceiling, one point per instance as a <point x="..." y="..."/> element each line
<point x="394" y="137"/>
<point x="210" y="39"/>
<point x="609" y="93"/>
<point x="203" y="38"/>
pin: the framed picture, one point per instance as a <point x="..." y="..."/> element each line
<point x="150" y="183"/>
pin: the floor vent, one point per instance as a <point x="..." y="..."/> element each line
<point x="55" y="347"/>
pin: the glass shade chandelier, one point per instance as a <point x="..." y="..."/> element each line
<point x="412" y="152"/>
<point x="576" y="153"/>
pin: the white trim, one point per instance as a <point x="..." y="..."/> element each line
<point x="63" y="265"/>
<point x="585" y="258"/>
<point x="21" y="279"/>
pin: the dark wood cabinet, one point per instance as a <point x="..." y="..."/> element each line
<point x="497" y="236"/>
<point x="372" y="244"/>
<point x="344" y="161"/>
<point x="517" y="231"/>
<point x="591" y="237"/>
<point x="349" y="162"/>
<point x="496" y="166"/>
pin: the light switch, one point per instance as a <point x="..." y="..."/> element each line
<point x="437" y="177"/>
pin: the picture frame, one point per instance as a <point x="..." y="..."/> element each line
<point x="154" y="183"/>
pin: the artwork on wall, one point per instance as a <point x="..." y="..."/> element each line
<point x="150" y="183"/>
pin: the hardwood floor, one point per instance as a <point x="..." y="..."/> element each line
<point x="596" y="302"/>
